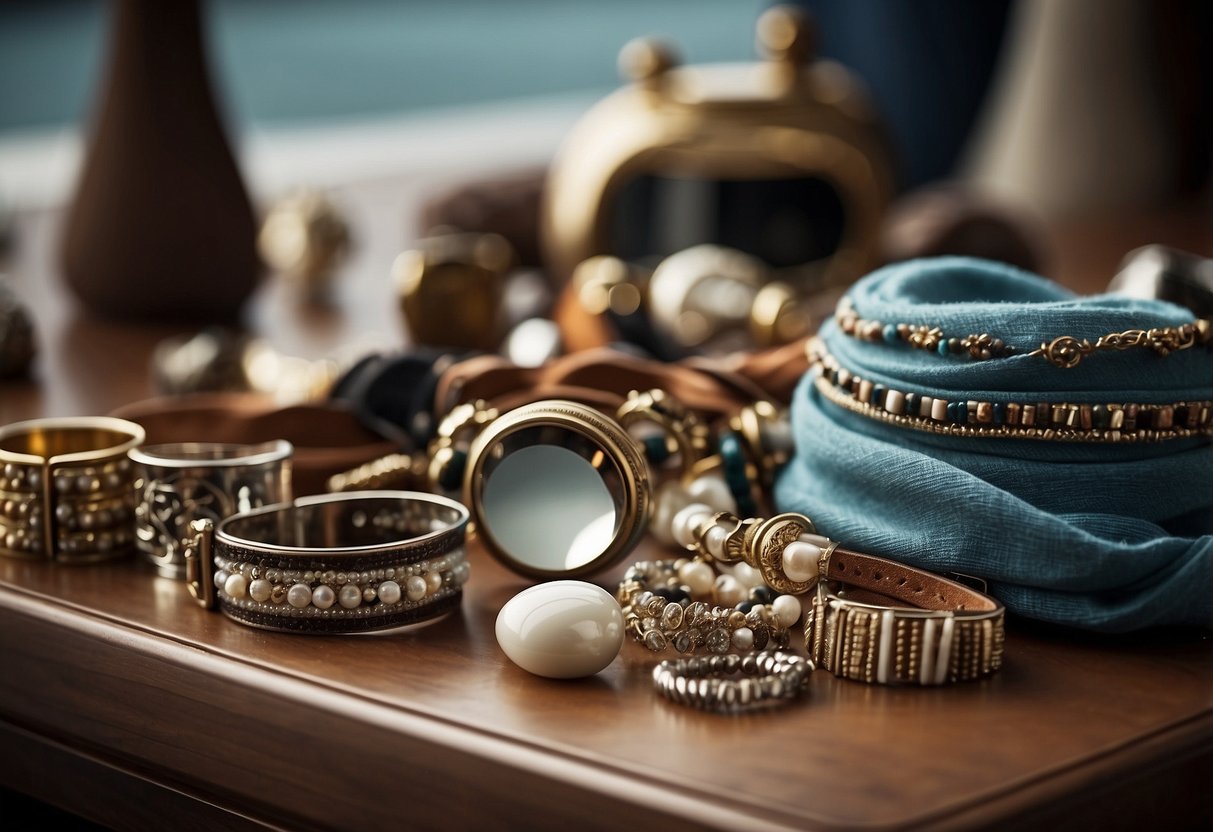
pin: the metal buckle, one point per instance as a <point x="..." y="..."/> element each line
<point x="199" y="564"/>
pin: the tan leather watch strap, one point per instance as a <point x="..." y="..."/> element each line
<point x="875" y="620"/>
<point x="905" y="584"/>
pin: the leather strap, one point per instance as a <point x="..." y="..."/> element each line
<point x="603" y="378"/>
<point x="887" y="623"/>
<point x="328" y="438"/>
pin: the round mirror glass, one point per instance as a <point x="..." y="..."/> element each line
<point x="555" y="490"/>
<point x="579" y="519"/>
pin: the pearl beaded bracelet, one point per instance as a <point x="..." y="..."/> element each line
<point x="663" y="607"/>
<point x="770" y="677"/>
<point x="336" y="564"/>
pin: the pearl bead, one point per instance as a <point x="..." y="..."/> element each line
<point x="686" y="520"/>
<point x="350" y="596"/>
<point x="299" y="596"/>
<point x="433" y="581"/>
<point x="743" y="638"/>
<point x="260" y="590"/>
<point x="561" y="629"/>
<point x="323" y="596"/>
<point x="415" y="587"/>
<point x="786" y="609"/>
<point x="389" y="592"/>
<point x="697" y="576"/>
<point x="670" y="499"/>
<point x="728" y="591"/>
<point x="713" y="541"/>
<point x="800" y="560"/>
<point x="713" y="492"/>
<point x="748" y="575"/>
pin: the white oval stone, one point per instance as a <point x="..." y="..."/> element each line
<point x="786" y="609"/>
<point x="800" y="560"/>
<point x="389" y="592"/>
<point x="299" y="596"/>
<point x="561" y="629"/>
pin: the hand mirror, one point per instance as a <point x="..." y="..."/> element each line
<point x="557" y="490"/>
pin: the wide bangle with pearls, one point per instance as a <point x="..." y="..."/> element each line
<point x="65" y="489"/>
<point x="344" y="563"/>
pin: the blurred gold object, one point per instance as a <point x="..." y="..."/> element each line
<point x="450" y="289"/>
<point x="305" y="237"/>
<point x="222" y="361"/>
<point x="761" y="123"/>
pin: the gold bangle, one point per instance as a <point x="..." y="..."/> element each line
<point x="67" y="491"/>
<point x="882" y="644"/>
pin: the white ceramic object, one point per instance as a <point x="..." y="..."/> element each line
<point x="561" y="629"/>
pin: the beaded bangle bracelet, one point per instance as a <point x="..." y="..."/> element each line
<point x="1053" y="421"/>
<point x="66" y="493"/>
<point x="893" y="624"/>
<point x="871" y="638"/>
<point x="660" y="609"/>
<point x="772" y="677"/>
<point x="336" y="564"/>
<point x="1064" y="351"/>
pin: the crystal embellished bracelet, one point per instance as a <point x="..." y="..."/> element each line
<point x="767" y="678"/>
<point x="335" y="564"/>
<point x="667" y="604"/>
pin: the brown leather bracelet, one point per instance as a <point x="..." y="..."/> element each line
<point x="888" y="623"/>
<point x="603" y="378"/>
<point x="871" y="619"/>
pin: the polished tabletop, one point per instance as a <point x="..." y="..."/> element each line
<point x="123" y="701"/>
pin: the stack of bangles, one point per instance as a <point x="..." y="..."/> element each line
<point x="870" y="619"/>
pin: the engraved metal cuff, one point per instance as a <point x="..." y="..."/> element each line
<point x="177" y="484"/>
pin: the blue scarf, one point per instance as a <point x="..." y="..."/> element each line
<point x="1110" y="537"/>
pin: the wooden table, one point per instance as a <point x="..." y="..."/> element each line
<point x="125" y="703"/>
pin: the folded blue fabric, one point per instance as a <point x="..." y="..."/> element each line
<point x="1102" y="536"/>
